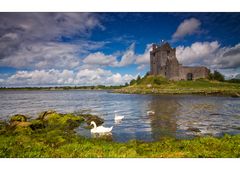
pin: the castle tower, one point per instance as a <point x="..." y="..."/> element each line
<point x="158" y="58"/>
<point x="163" y="62"/>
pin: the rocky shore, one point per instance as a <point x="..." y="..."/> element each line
<point x="52" y="134"/>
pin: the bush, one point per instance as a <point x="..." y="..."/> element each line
<point x="157" y="81"/>
<point x="234" y="81"/>
<point x="132" y="82"/>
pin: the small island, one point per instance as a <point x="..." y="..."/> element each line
<point x="160" y="85"/>
<point x="167" y="76"/>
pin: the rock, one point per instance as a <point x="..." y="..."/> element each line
<point x="23" y="124"/>
<point x="18" y="118"/>
<point x="45" y="114"/>
<point x="194" y="129"/>
<point x="18" y="127"/>
<point x="88" y="118"/>
<point x="62" y="121"/>
<point x="20" y="124"/>
<point x="149" y="85"/>
<point x="235" y="95"/>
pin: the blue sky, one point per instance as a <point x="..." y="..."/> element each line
<point x="41" y="49"/>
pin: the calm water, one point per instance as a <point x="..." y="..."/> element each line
<point x="173" y="117"/>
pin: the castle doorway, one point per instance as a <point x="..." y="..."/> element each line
<point x="189" y="76"/>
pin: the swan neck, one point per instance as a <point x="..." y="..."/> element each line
<point x="94" y="125"/>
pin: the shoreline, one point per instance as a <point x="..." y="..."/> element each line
<point x="197" y="93"/>
<point x="127" y="90"/>
<point x="52" y="135"/>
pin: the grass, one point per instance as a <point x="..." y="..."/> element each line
<point x="52" y="135"/>
<point x="159" y="85"/>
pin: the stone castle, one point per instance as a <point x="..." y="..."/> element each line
<point x="163" y="61"/>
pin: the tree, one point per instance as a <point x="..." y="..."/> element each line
<point x="138" y="78"/>
<point x="147" y="74"/>
<point x="216" y="76"/>
<point x="132" y="82"/>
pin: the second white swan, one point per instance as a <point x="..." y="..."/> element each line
<point x="118" y="118"/>
<point x="99" y="129"/>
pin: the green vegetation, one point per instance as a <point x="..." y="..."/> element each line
<point x="159" y="85"/>
<point x="216" y="76"/>
<point x="52" y="135"/>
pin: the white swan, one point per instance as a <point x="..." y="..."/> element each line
<point x="150" y="112"/>
<point x="99" y="129"/>
<point x="118" y="118"/>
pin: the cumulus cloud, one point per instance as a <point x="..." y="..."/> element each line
<point x="34" y="38"/>
<point x="229" y="57"/>
<point x="145" y="57"/>
<point x="128" y="56"/>
<point x="119" y="79"/>
<point x="101" y="59"/>
<point x="210" y="54"/>
<point x="187" y="27"/>
<point x="65" y="77"/>
<point x="197" y="53"/>
<point x="47" y="26"/>
<point x="48" y="55"/>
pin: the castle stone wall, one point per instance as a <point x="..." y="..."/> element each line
<point x="197" y="72"/>
<point x="163" y="61"/>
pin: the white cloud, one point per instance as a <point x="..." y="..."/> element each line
<point x="40" y="77"/>
<point x="48" y="55"/>
<point x="229" y="57"/>
<point x="99" y="58"/>
<point x="187" y="27"/>
<point x="33" y="39"/>
<point x="47" y="26"/>
<point x="128" y="56"/>
<point x="145" y="57"/>
<point x="197" y="53"/>
<point x="210" y="54"/>
<point x="142" y="67"/>
<point x="65" y="77"/>
<point x="119" y="79"/>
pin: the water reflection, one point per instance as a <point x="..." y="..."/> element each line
<point x="182" y="116"/>
<point x="163" y="121"/>
<point x="117" y="121"/>
<point x="107" y="135"/>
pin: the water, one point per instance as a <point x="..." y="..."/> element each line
<point x="173" y="117"/>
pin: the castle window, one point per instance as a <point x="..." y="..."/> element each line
<point x="168" y="52"/>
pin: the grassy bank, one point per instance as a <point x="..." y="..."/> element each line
<point x="52" y="135"/>
<point x="159" y="85"/>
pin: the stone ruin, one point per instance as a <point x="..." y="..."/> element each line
<point x="163" y="61"/>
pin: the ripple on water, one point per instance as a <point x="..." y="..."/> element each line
<point x="174" y="115"/>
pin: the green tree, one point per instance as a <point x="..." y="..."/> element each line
<point x="138" y="81"/>
<point x="216" y="76"/>
<point x="132" y="82"/>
